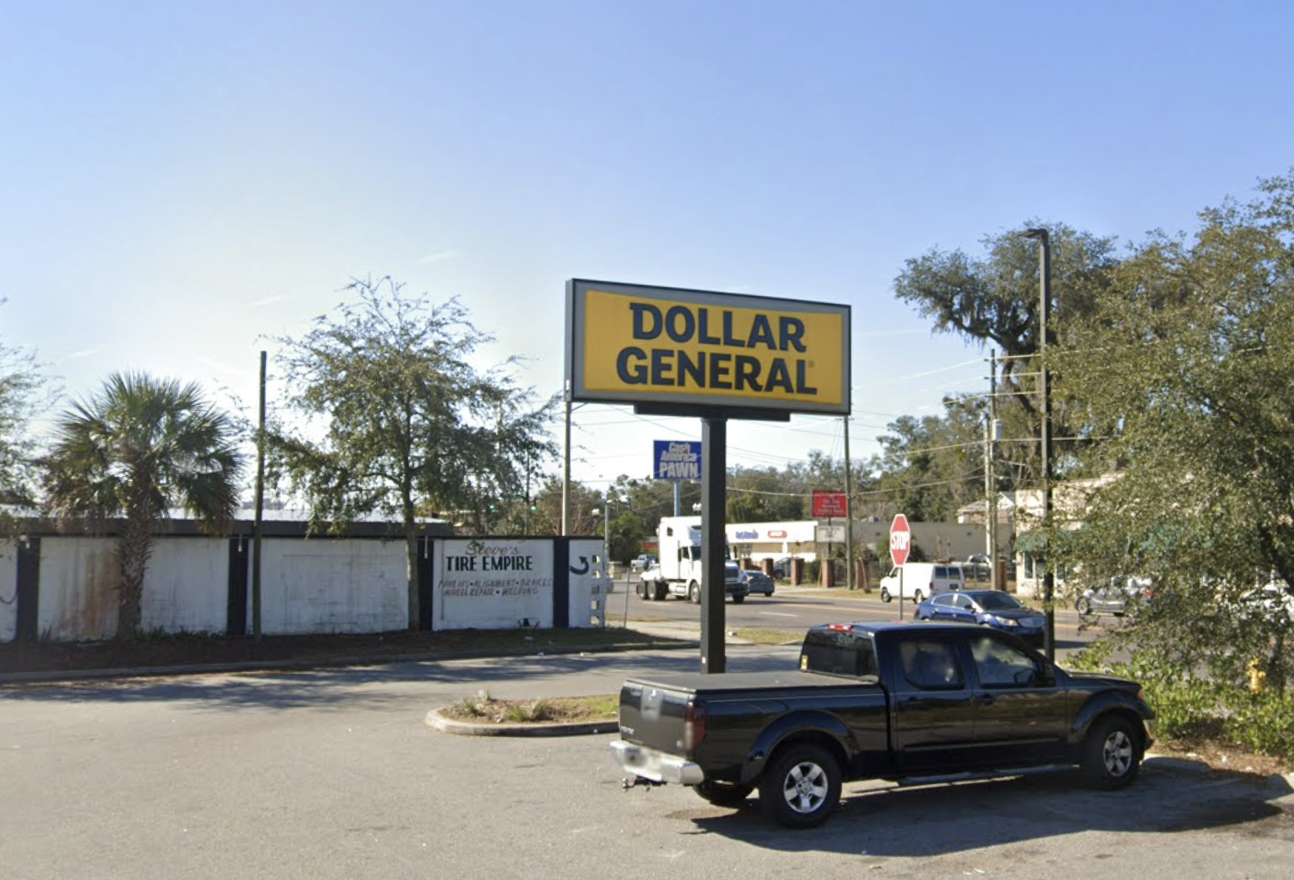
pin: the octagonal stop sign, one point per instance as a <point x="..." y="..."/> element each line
<point x="900" y="539"/>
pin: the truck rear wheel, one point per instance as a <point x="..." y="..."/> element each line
<point x="694" y="593"/>
<point x="724" y="794"/>
<point x="801" y="788"/>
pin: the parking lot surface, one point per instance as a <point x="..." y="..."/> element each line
<point x="334" y="774"/>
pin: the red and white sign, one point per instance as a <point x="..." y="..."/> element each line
<point x="900" y="539"/>
<point x="830" y="504"/>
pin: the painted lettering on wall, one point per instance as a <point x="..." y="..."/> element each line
<point x="484" y="570"/>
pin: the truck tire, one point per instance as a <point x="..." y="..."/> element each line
<point x="1112" y="753"/>
<point x="647" y="588"/>
<point x="724" y="794"/>
<point x="801" y="788"/>
<point x="918" y="597"/>
<point x="885" y="595"/>
<point x="694" y="593"/>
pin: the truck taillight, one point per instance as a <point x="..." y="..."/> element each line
<point x="693" y="726"/>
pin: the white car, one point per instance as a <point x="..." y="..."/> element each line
<point x="642" y="563"/>
<point x="1271" y="598"/>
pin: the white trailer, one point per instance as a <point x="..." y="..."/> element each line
<point x="678" y="571"/>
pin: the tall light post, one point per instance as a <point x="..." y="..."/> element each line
<point x="1043" y="237"/>
<point x="606" y="529"/>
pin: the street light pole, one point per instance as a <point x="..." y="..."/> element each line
<point x="1043" y="237"/>
<point x="606" y="530"/>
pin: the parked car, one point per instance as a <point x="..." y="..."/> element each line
<point x="904" y="702"/>
<point x="987" y="608"/>
<point x="1120" y="596"/>
<point x="921" y="580"/>
<point x="757" y="582"/>
<point x="1272" y="598"/>
<point x="642" y="563"/>
<point x="782" y="567"/>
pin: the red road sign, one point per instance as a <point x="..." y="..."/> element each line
<point x="827" y="505"/>
<point x="900" y="539"/>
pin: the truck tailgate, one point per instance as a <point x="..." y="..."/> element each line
<point x="653" y="709"/>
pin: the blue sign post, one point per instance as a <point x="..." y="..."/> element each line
<point x="677" y="460"/>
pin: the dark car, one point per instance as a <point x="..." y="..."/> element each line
<point x="987" y="608"/>
<point x="782" y="567"/>
<point x="757" y="581"/>
<point x="1120" y="596"/>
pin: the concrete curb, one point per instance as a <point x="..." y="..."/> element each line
<point x="439" y="722"/>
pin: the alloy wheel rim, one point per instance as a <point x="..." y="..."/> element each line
<point x="1118" y="753"/>
<point x="805" y="787"/>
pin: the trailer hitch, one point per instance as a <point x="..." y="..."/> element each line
<point x="635" y="781"/>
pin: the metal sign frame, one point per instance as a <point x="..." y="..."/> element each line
<point x="704" y="352"/>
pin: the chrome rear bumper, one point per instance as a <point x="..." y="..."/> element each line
<point x="655" y="765"/>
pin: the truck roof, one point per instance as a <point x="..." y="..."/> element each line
<point x="873" y="627"/>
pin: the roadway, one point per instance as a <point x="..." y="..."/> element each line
<point x="795" y="609"/>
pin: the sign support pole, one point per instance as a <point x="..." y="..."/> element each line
<point x="714" y="541"/>
<point x="900" y="546"/>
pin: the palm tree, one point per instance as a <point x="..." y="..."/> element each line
<point x="139" y="448"/>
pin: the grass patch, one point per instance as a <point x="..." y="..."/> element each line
<point x="484" y="709"/>
<point x="770" y="636"/>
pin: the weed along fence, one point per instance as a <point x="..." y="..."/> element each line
<point x="63" y="587"/>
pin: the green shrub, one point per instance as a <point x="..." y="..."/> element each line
<point x="520" y="713"/>
<point x="1186" y="709"/>
<point x="1263" y="723"/>
<point x="468" y="706"/>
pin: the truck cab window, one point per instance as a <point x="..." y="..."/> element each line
<point x="1000" y="665"/>
<point x="930" y="665"/>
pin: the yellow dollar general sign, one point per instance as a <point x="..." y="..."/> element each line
<point x="637" y="344"/>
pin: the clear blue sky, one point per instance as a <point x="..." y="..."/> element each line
<point x="182" y="179"/>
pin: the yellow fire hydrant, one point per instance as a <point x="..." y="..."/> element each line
<point x="1257" y="677"/>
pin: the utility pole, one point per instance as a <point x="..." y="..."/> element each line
<point x="849" y="515"/>
<point x="1044" y="393"/>
<point x="257" y="525"/>
<point x="990" y="481"/>
<point x="566" y="468"/>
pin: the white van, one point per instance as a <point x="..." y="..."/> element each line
<point x="921" y="580"/>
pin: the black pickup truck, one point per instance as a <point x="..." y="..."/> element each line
<point x="878" y="701"/>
